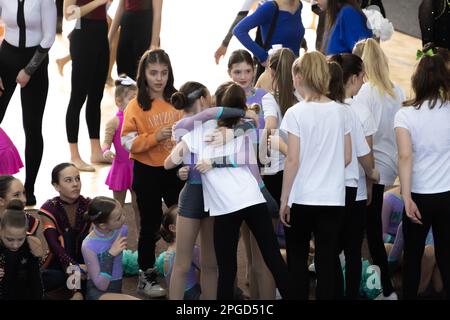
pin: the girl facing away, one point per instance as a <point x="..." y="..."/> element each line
<point x="383" y="98"/>
<point x="313" y="192"/>
<point x="422" y="128"/>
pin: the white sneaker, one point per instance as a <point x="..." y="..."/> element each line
<point x="392" y="296"/>
<point x="149" y="286"/>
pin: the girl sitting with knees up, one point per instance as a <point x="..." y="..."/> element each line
<point x="102" y="250"/>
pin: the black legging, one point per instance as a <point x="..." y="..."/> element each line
<point x="352" y="237"/>
<point x="435" y="212"/>
<point x="33" y="97"/>
<point x="374" y="231"/>
<point x="226" y="238"/>
<point x="89" y="50"/>
<point x="325" y="222"/>
<point x="135" y="38"/>
<point x="152" y="184"/>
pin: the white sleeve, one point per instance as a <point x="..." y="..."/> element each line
<point x="361" y="145"/>
<point x="401" y="120"/>
<point x="366" y="119"/>
<point x="348" y="121"/>
<point x="364" y="96"/>
<point x="290" y="123"/>
<point x="48" y="20"/>
<point x="270" y="106"/>
<point x="188" y="138"/>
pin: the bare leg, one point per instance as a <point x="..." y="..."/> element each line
<point x="120" y="196"/>
<point x="96" y="152"/>
<point x="245" y="234"/>
<point x="388" y="247"/>
<point x="62" y="62"/>
<point x="75" y="158"/>
<point x="117" y="296"/>
<point x="208" y="263"/>
<point x="137" y="217"/>
<point x="265" y="282"/>
<point x="428" y="265"/>
<point x="436" y="279"/>
<point x="187" y="231"/>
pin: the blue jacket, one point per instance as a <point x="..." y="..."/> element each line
<point x="349" y="28"/>
<point x="289" y="30"/>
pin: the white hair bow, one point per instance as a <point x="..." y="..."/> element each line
<point x="127" y="81"/>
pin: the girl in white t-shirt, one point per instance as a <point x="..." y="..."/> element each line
<point x="423" y="138"/>
<point x="232" y="196"/>
<point x="346" y="79"/>
<point x="384" y="99"/>
<point x="274" y="106"/>
<point x="313" y="194"/>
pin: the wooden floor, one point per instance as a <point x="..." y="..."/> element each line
<point x="190" y="42"/>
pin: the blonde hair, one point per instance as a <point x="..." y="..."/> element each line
<point x="314" y="70"/>
<point x="377" y="67"/>
<point x="359" y="48"/>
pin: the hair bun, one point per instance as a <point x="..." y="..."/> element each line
<point x="179" y="100"/>
<point x="15" y="204"/>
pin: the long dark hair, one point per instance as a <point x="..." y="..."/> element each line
<point x="233" y="97"/>
<point x="143" y="95"/>
<point x="350" y="63"/>
<point x="283" y="88"/>
<point x="336" y="90"/>
<point x="333" y="9"/>
<point x="430" y="81"/>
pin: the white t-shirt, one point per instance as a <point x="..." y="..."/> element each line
<point x="383" y="109"/>
<point x="225" y="190"/>
<point x="430" y="136"/>
<point x="359" y="148"/>
<point x="272" y="109"/>
<point x="369" y="128"/>
<point x="321" y="128"/>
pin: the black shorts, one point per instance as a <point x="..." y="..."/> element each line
<point x="190" y="202"/>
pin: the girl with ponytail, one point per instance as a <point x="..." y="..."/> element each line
<point x="313" y="192"/>
<point x="383" y="98"/>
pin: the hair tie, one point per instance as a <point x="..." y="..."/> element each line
<point x="194" y="95"/>
<point x="420" y="54"/>
<point x="127" y="81"/>
<point x="95" y="216"/>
